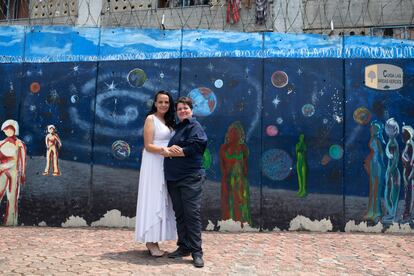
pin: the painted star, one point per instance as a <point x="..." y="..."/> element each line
<point x="276" y="101"/>
<point x="76" y="68"/>
<point x="337" y="118"/>
<point x="247" y="70"/>
<point x="210" y="67"/>
<point x="111" y="86"/>
<point x="300" y="71"/>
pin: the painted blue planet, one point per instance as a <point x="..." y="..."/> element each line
<point x="121" y="150"/>
<point x="204" y="101"/>
<point x="136" y="77"/>
<point x="336" y="152"/>
<point x="276" y="164"/>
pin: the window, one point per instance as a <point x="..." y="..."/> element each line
<point x="398" y="32"/>
<point x="181" y="3"/>
<point x="14" y="9"/>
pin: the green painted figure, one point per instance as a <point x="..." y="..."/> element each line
<point x="301" y="166"/>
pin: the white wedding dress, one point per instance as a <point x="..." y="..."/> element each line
<point x="155" y="220"/>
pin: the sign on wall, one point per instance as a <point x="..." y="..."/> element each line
<point x="383" y="77"/>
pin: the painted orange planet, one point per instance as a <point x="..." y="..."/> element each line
<point x="35" y="87"/>
<point x="362" y="116"/>
<point x="325" y="160"/>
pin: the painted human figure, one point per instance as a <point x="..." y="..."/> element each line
<point x="407" y="158"/>
<point x="301" y="166"/>
<point x="12" y="169"/>
<point x="235" y="194"/>
<point x="53" y="144"/>
<point x="392" y="175"/>
<point x="374" y="165"/>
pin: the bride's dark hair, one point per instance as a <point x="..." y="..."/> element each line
<point x="169" y="117"/>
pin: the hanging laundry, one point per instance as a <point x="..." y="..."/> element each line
<point x="261" y="11"/>
<point x="232" y="13"/>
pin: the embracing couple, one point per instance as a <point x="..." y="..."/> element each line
<point x="171" y="179"/>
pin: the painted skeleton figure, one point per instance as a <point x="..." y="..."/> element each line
<point x="53" y="144"/>
<point x="12" y="169"/>
<point x="392" y="175"/>
<point x="407" y="158"/>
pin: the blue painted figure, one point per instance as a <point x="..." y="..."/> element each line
<point x="407" y="158"/>
<point x="374" y="165"/>
<point x="392" y="175"/>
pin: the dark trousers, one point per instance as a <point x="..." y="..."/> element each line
<point x="186" y="198"/>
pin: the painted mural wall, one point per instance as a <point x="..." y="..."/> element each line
<point x="305" y="131"/>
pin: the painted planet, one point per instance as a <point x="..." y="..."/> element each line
<point x="120" y="149"/>
<point x="362" y="116"/>
<point x="308" y="110"/>
<point x="35" y="87"/>
<point x="28" y="139"/>
<point x="279" y="79"/>
<point x="336" y="152"/>
<point x="53" y="97"/>
<point x="272" y="130"/>
<point x="74" y="98"/>
<point x="325" y="160"/>
<point x="204" y="101"/>
<point x="218" y="83"/>
<point x="149" y="103"/>
<point x="207" y="159"/>
<point x="136" y="77"/>
<point x="276" y="164"/>
<point x="279" y="120"/>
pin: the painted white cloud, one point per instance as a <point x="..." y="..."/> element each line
<point x="235" y="226"/>
<point x="304" y="223"/>
<point x="91" y="35"/>
<point x="51" y="51"/>
<point x="114" y="218"/>
<point x="122" y="40"/>
<point x="11" y="43"/>
<point x="351" y="226"/>
<point x="74" y="221"/>
<point x="399" y="228"/>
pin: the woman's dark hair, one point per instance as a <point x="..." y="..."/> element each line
<point x="169" y="117"/>
<point x="185" y="100"/>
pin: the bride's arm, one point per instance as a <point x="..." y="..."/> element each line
<point x="149" y="137"/>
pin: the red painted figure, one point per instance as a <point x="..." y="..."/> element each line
<point x="12" y="169"/>
<point x="235" y="194"/>
<point x="53" y="144"/>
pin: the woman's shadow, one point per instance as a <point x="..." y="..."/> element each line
<point x="142" y="257"/>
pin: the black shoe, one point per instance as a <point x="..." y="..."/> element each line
<point x="179" y="253"/>
<point x="198" y="261"/>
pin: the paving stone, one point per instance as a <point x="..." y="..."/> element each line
<point x="102" y="251"/>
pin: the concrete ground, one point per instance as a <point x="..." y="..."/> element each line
<point x="103" y="251"/>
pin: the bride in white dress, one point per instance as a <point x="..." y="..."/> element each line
<point x="155" y="219"/>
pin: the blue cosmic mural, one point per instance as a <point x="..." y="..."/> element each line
<point x="298" y="125"/>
